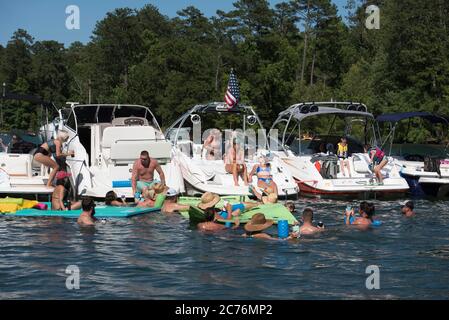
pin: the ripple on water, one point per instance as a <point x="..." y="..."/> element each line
<point x="156" y="256"/>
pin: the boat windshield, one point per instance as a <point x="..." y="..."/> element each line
<point x="88" y="114"/>
<point x="19" y="141"/>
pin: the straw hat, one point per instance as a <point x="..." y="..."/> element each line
<point x="258" y="222"/>
<point x="208" y="200"/>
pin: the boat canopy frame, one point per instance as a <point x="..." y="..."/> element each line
<point x="393" y="120"/>
<point x="219" y="108"/>
<point x="71" y="110"/>
<point x="303" y="110"/>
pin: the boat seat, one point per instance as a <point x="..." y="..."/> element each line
<point x="17" y="164"/>
<point x="360" y="163"/>
<point x="125" y="152"/>
<point x="111" y="135"/>
<point x="124" y="144"/>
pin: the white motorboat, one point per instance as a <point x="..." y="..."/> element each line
<point x="202" y="174"/>
<point x="424" y="166"/>
<point x="20" y="175"/>
<point x="107" y="139"/>
<point x="311" y="159"/>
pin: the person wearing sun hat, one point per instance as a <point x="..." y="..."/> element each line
<point x="208" y="200"/>
<point x="171" y="204"/>
<point x="207" y="203"/>
<point x="255" y="227"/>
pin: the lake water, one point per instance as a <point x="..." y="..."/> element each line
<point x="161" y="257"/>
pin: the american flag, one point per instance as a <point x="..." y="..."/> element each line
<point x="232" y="95"/>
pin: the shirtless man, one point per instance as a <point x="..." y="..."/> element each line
<point x="235" y="164"/>
<point x="87" y="216"/>
<point x="307" y="227"/>
<point x="143" y="173"/>
<point x="171" y="204"/>
<point x="212" y="145"/>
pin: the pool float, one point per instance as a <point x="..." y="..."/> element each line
<point x="274" y="211"/>
<point x="101" y="211"/>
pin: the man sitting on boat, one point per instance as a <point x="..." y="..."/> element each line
<point x="143" y="173"/>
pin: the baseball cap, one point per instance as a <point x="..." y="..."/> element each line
<point x="171" y="192"/>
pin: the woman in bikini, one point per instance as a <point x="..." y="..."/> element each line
<point x="52" y="147"/>
<point x="60" y="191"/>
<point x="264" y="176"/>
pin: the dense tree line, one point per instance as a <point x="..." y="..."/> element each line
<point x="294" y="51"/>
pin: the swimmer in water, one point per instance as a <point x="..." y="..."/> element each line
<point x="407" y="209"/>
<point x="307" y="227"/>
<point x="366" y="211"/>
<point x="87" y="216"/>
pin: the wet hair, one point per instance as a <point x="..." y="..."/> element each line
<point x="110" y="196"/>
<point x="290" y="205"/>
<point x="87" y="204"/>
<point x="209" y="214"/>
<point x="307" y="214"/>
<point x="367" y="208"/>
<point x="410" y="205"/>
<point x="145" y="153"/>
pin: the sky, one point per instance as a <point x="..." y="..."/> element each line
<point x="46" y="19"/>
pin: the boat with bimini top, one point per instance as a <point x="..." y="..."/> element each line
<point x="316" y="159"/>
<point x="200" y="150"/>
<point x="425" y="166"/>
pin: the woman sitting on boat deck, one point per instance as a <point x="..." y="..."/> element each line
<point x="60" y="191"/>
<point x="54" y="146"/>
<point x="235" y="163"/>
<point x="342" y="154"/>
<point x="112" y="199"/>
<point x="263" y="172"/>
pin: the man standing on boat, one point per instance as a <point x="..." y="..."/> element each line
<point x="143" y="173"/>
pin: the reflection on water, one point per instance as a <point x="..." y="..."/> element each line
<point x="161" y="257"/>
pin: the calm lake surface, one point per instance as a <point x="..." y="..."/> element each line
<point x="161" y="257"/>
